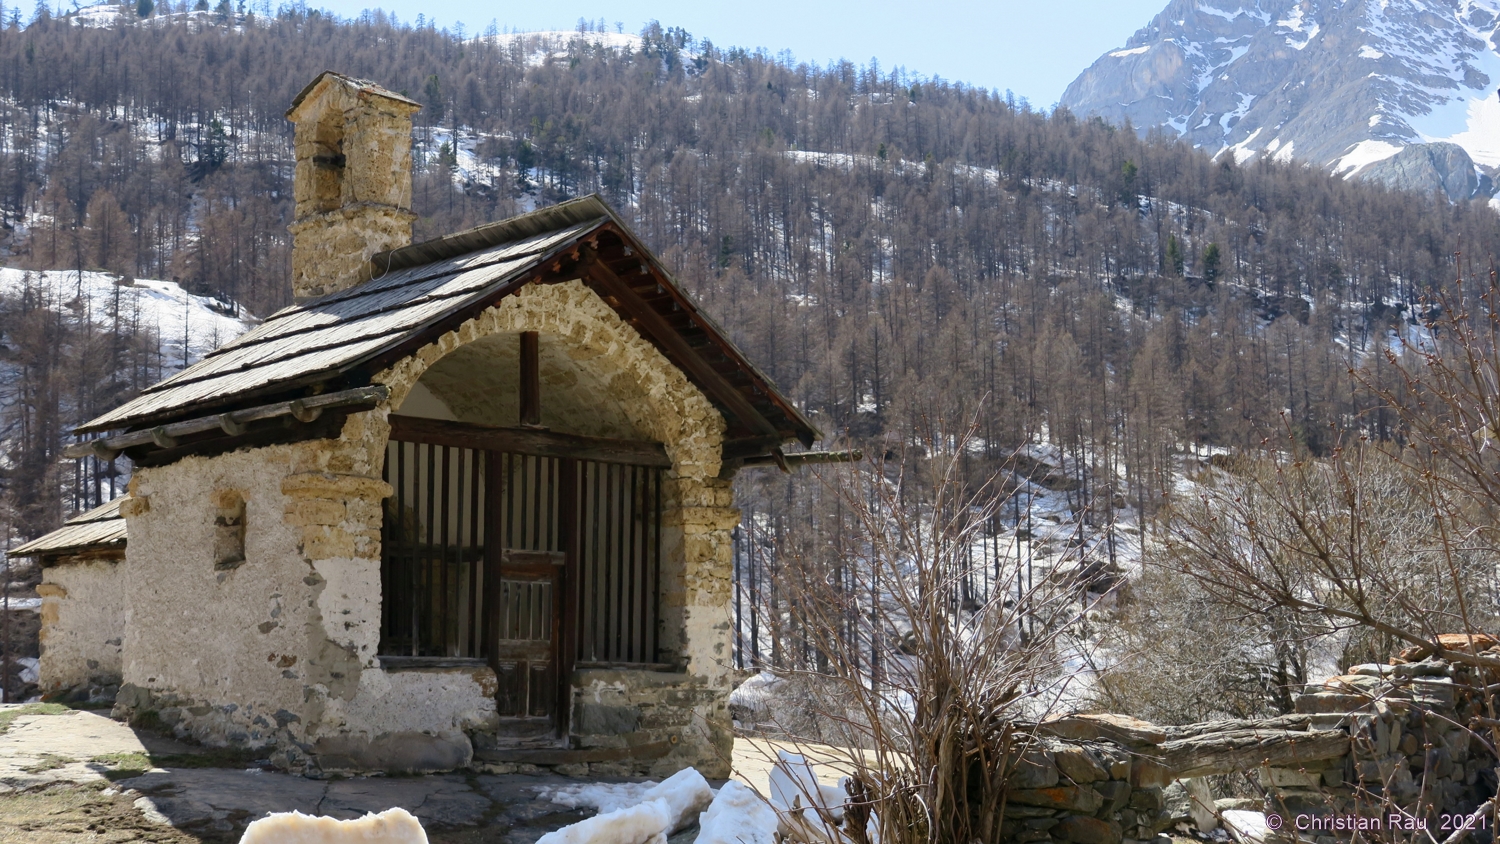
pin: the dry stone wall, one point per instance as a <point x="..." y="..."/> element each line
<point x="1385" y="743"/>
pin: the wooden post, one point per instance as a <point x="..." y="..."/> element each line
<point x="566" y="639"/>
<point x="493" y="545"/>
<point x="531" y="380"/>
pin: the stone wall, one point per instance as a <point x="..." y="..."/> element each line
<point x="1382" y="741"/>
<point x="82" y="628"/>
<point x="671" y="720"/>
<point x="352" y="183"/>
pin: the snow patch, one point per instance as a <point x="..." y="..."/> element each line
<point x="795" y="785"/>
<point x="1368" y="52"/>
<point x="737" y="816"/>
<point x="685" y="794"/>
<point x="1242" y="151"/>
<point x="538" y="47"/>
<point x="1362" y="155"/>
<point x="187" y="325"/>
<point x="1246" y="100"/>
<point x="1296" y="24"/>
<point x="393" y="826"/>
<point x="1134" y="51"/>
<point x="1221" y="13"/>
<point x="1481" y="133"/>
<point x="646" y="823"/>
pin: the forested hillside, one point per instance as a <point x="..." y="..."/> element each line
<point x="901" y="255"/>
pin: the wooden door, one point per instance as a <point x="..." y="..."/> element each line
<point x="526" y="597"/>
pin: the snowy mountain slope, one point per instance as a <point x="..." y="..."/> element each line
<point x="1342" y="84"/>
<point x="187" y="326"/>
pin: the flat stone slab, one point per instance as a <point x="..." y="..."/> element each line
<point x="221" y="799"/>
<point x="445" y="800"/>
<point x="42" y="750"/>
<point x="74" y="749"/>
<point x="75" y="735"/>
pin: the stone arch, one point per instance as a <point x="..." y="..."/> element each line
<point x="658" y="399"/>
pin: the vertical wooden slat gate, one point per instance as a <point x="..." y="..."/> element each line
<point x="532" y="563"/>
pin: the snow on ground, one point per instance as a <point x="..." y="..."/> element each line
<point x="737" y="816"/>
<point x="188" y="326"/>
<point x="684" y="794"/>
<point x="538" y="47"/>
<point x="643" y="823"/>
<point x="633" y="813"/>
<point x="604" y="797"/>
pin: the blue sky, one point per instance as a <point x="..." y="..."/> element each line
<point x="1032" y="47"/>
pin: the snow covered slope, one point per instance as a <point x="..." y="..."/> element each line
<point x="187" y="326"/>
<point x="1342" y="84"/>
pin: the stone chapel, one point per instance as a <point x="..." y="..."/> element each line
<point x="466" y="502"/>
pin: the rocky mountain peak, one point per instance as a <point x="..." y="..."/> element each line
<point x="1342" y="84"/>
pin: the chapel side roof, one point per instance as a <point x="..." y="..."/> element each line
<point x="98" y="529"/>
<point x="414" y="294"/>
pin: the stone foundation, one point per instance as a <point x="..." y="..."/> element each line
<point x="676" y="721"/>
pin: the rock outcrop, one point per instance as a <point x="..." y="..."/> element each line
<point x="1341" y="85"/>
<point x="1424" y="168"/>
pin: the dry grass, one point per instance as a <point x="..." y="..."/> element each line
<point x="80" y="815"/>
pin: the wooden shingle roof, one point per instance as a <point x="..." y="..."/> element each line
<point x="410" y="296"/>
<point x="102" y="528"/>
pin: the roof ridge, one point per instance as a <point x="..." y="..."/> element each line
<point x="567" y="213"/>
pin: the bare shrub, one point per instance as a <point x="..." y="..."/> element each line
<point x="925" y="688"/>
<point x="1383" y="544"/>
<point x="1176" y="655"/>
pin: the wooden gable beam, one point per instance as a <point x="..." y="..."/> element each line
<point x="614" y="290"/>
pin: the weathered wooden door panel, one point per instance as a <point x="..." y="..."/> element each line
<point x="525" y="637"/>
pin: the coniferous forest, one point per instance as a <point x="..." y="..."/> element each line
<point x="905" y="256"/>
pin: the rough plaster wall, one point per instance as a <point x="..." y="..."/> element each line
<point x="421" y="402"/>
<point x="687" y="714"/>
<point x="280" y="649"/>
<point x="434" y="701"/>
<point x="82" y="624"/>
<point x="237" y="643"/>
